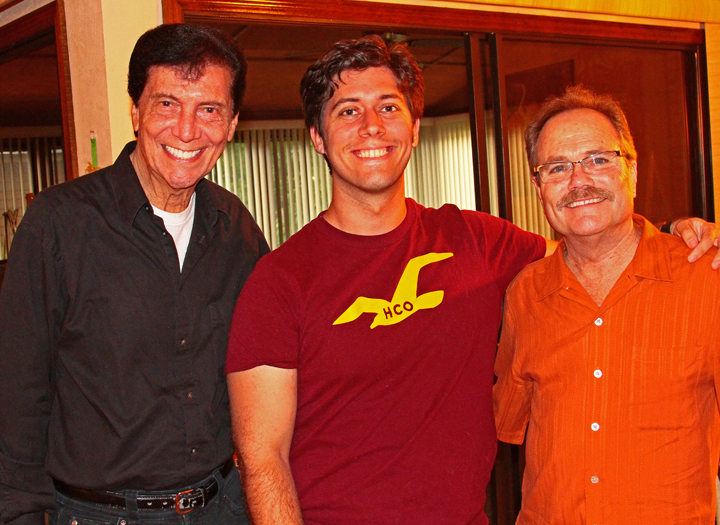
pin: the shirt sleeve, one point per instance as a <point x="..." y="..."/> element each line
<point x="512" y="393"/>
<point x="30" y="317"/>
<point x="265" y="329"/>
<point x="508" y="249"/>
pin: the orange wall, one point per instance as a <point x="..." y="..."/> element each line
<point x="687" y="10"/>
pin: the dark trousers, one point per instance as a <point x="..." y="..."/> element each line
<point x="226" y="508"/>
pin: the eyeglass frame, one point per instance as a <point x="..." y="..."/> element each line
<point x="536" y="169"/>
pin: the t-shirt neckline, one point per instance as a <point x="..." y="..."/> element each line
<point x="370" y="241"/>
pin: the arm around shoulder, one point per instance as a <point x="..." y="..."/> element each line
<point x="698" y="235"/>
<point x="263" y="402"/>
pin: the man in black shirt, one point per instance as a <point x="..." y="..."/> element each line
<point x="116" y="307"/>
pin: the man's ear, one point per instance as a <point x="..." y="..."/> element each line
<point x="318" y="141"/>
<point x="416" y="132"/>
<point x="233" y="125"/>
<point x="135" y="114"/>
<point x="633" y="167"/>
<point x="536" y="183"/>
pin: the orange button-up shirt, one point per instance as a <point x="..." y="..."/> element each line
<point x="620" y="401"/>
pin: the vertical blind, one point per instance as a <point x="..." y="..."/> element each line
<point x="28" y="163"/>
<point x="440" y="169"/>
<point x="274" y="169"/>
<point x="526" y="207"/>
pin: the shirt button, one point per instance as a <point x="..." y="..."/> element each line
<point x="183" y="342"/>
<point x="598" y="321"/>
<point x="594" y="479"/>
<point x="147" y="208"/>
<point x="595" y="427"/>
<point x="193" y="450"/>
<point x="597" y="373"/>
<point x="189" y="395"/>
<point x="165" y="235"/>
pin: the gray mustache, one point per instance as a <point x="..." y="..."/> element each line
<point x="587" y="192"/>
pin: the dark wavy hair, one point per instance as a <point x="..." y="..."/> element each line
<point x="579" y="97"/>
<point x="191" y="48"/>
<point x="321" y="79"/>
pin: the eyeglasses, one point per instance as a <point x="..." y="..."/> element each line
<point x="595" y="164"/>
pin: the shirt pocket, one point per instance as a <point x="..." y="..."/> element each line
<point x="664" y="383"/>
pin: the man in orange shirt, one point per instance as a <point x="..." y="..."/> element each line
<point x="605" y="356"/>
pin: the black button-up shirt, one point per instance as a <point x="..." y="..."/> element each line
<point x="112" y="359"/>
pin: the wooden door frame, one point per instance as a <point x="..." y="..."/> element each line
<point x="354" y="13"/>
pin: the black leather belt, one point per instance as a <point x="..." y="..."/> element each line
<point x="183" y="501"/>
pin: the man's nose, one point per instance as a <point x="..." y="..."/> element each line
<point x="187" y="128"/>
<point x="372" y="123"/>
<point x="580" y="177"/>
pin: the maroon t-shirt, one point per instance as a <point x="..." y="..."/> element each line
<point x="394" y="338"/>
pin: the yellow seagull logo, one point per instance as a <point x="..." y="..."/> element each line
<point x="405" y="301"/>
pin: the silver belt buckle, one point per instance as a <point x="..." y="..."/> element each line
<point x="188" y="500"/>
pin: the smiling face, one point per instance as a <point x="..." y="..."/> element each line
<point x="368" y="134"/>
<point x="182" y="127"/>
<point x="585" y="205"/>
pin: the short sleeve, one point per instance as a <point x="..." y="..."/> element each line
<point x="265" y="328"/>
<point x="508" y="249"/>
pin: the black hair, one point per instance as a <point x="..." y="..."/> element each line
<point x="321" y="79"/>
<point x="190" y="48"/>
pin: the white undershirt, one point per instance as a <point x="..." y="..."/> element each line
<point x="179" y="225"/>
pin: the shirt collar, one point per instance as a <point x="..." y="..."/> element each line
<point x="131" y="197"/>
<point x="651" y="261"/>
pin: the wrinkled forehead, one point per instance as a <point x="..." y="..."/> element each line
<point x="583" y="129"/>
<point x="221" y="75"/>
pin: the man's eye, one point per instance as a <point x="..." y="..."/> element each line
<point x="165" y="103"/>
<point x="347" y="112"/>
<point x="557" y="168"/>
<point x="389" y="109"/>
<point x="210" y="110"/>
<point x="598" y="161"/>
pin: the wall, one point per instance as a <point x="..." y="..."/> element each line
<point x="123" y="21"/>
<point x="101" y="36"/>
<point x="693" y="10"/>
<point x="86" y="54"/>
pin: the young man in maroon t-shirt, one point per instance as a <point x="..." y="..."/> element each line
<point x="361" y="353"/>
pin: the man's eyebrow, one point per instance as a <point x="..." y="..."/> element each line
<point x="388" y="96"/>
<point x="215" y="103"/>
<point x="565" y="158"/>
<point x="344" y="101"/>
<point x="157" y="96"/>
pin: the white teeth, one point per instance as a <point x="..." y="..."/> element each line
<point x="182" y="154"/>
<point x="582" y="203"/>
<point x="372" y="153"/>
